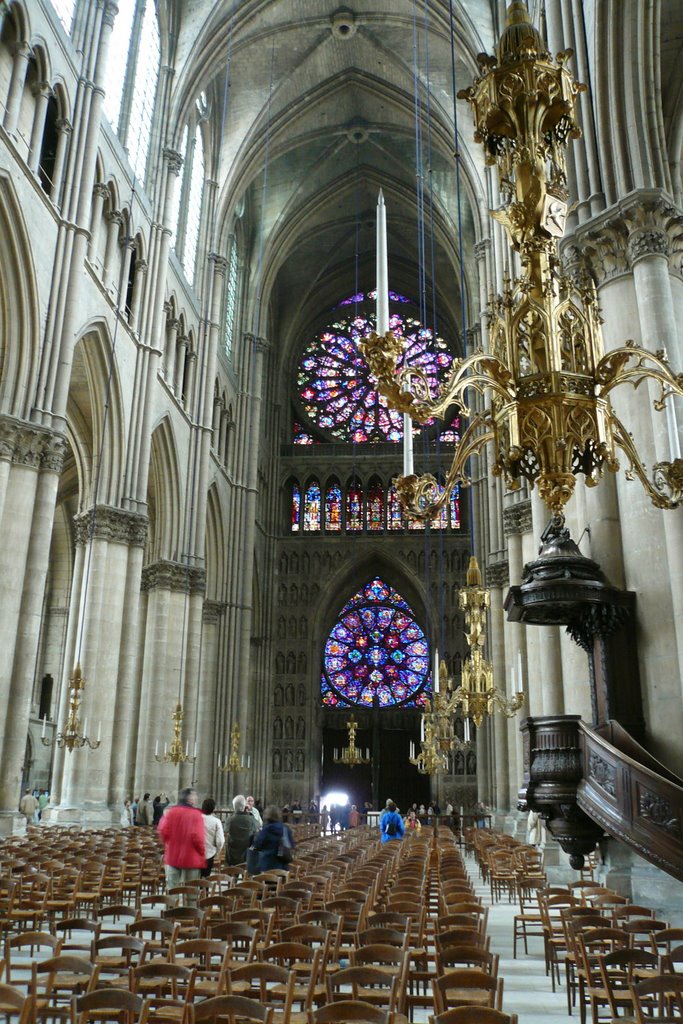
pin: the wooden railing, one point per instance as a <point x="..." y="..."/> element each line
<point x="632" y="796"/>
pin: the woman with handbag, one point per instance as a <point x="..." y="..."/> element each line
<point x="274" y="843"/>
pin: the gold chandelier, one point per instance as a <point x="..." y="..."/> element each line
<point x="235" y="762"/>
<point x="175" y="754"/>
<point x="71" y="736"/>
<point x="477" y="695"/>
<point x="351" y="756"/>
<point x="549" y="382"/>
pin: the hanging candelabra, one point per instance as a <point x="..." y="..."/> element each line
<point x="71" y="736"/>
<point x="351" y="756"/>
<point x="550" y="416"/>
<point x="235" y="762"/>
<point x="477" y="695"/>
<point x="430" y="759"/>
<point x="175" y="754"/>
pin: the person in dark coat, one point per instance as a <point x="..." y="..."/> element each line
<point x="241" y="830"/>
<point x="269" y="839"/>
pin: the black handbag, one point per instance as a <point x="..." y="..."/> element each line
<point x="252" y="861"/>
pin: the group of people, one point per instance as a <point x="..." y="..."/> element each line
<point x="33" y="803"/>
<point x="194" y="839"/>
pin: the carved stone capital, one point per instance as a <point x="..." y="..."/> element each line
<point x="101" y="190"/>
<point x="481" y="248"/>
<point x="115" y="525"/>
<point x="260" y="344"/>
<point x="114" y="217"/>
<point x="647" y="242"/>
<point x="42" y="89"/>
<point x="220" y="264"/>
<point x="174" y="160"/>
<point x="576" y="267"/>
<point x="213" y="610"/>
<point x="498" y="574"/>
<point x="184" y="579"/>
<point x="517" y="518"/>
<point x="26" y="445"/>
<point x="141" y="266"/>
<point x="110" y="11"/>
<point x="64" y="126"/>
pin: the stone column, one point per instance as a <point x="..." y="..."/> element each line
<point x="114" y="219"/>
<point x="26" y="525"/>
<point x="517" y="524"/>
<point x="100" y="194"/>
<point x="497" y="578"/>
<point x="179" y="377"/>
<point x="92" y="784"/>
<point x="64" y="130"/>
<point x="206" y="770"/>
<point x="42" y="93"/>
<point x="172" y="327"/>
<point x="22" y="52"/>
<point x="138" y="286"/>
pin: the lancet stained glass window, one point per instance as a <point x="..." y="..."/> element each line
<point x="312" y="508"/>
<point x="376" y="652"/>
<point x="333" y="508"/>
<point x="375" y="506"/>
<point x="296" y="508"/>
<point x="394" y="510"/>
<point x="334" y="383"/>
<point x="354" y="507"/>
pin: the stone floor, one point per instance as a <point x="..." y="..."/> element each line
<point x="527" y="990"/>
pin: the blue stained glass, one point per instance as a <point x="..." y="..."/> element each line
<point x="312" y="508"/>
<point x="376" y="652"/>
<point x="296" y="508"/>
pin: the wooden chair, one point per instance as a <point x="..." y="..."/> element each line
<point x="468" y="986"/>
<point x="240" y="940"/>
<point x="16" y="1005"/>
<point x="474" y="1015"/>
<point x="641" y="929"/>
<point x="40" y="945"/>
<point x="619" y="970"/>
<point x="665" y="940"/>
<point x="54" y="982"/>
<point x="115" y="918"/>
<point x="115" y="956"/>
<point x="231" y="1008"/>
<point x="306" y="964"/>
<point x="349" y="1011"/>
<point x="590" y="946"/>
<point x="455" y="957"/>
<point x="659" y="998"/>
<point x="208" y="957"/>
<point x="77" y="934"/>
<point x="109" y="1004"/>
<point x="528" y="923"/>
<point x="159" y="934"/>
<point x="271" y="985"/>
<point x="168" y="989"/>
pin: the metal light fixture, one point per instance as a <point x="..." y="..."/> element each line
<point x="351" y="756"/>
<point x="71" y="736"/>
<point x="234" y="762"/>
<point x="431" y="758"/>
<point x="549" y="382"/>
<point x="477" y="695"/>
<point x="175" y="754"/>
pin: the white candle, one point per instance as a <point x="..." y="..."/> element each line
<point x="407" y="445"/>
<point x="382" y="300"/>
<point x="436" y="670"/>
<point x="672" y="430"/>
<point x="195" y="748"/>
<point x="156" y="749"/>
<point x="520" y="677"/>
<point x="164" y="750"/>
<point x="85" y="727"/>
<point x="422" y="729"/>
<point x="367" y="753"/>
<point x="44" y="721"/>
<point x="99" y="730"/>
<point x="513" y="680"/>
<point x="187" y="747"/>
<point x="467" y="730"/>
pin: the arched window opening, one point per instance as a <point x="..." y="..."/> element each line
<point x="376" y="653"/>
<point x="147" y="63"/>
<point x="178" y="192"/>
<point x="354" y="507"/>
<point x="118" y="65"/>
<point x="312" y="508"/>
<point x="48" y="146"/>
<point x="65" y="12"/>
<point x="231" y="300"/>
<point x="455" y="508"/>
<point x="194" y="208"/>
<point x="333" y="508"/>
<point x="130" y="283"/>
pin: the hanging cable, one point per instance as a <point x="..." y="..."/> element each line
<point x="461" y="257"/>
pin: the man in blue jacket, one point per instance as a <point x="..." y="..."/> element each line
<point x="391" y="823"/>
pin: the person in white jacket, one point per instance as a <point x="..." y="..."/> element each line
<point x="213" y="833"/>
